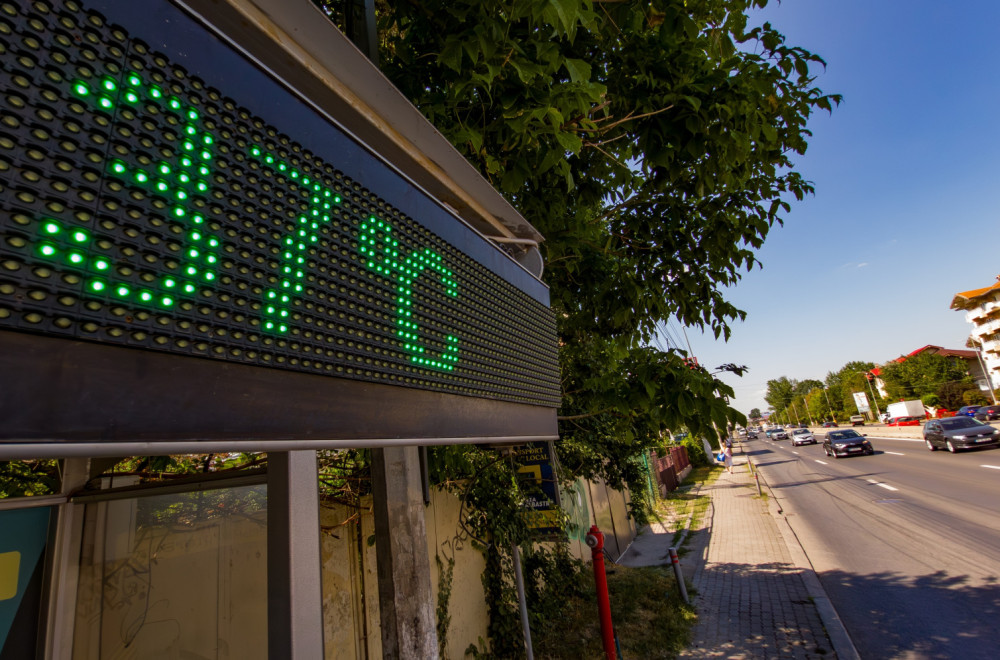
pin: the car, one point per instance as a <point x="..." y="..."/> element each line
<point x="857" y="420"/>
<point x="802" y="437"/>
<point x="986" y="413"/>
<point x="829" y="425"/>
<point x="969" y="411"/>
<point x="777" y="434"/>
<point x="955" y="433"/>
<point x="904" y="421"/>
<point x="847" y="442"/>
<point x="884" y="418"/>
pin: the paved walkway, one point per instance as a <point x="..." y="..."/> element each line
<point x="752" y="598"/>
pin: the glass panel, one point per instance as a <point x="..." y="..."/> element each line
<point x="23" y="536"/>
<point x="174" y="576"/>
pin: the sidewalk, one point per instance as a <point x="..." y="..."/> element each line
<point x="755" y="598"/>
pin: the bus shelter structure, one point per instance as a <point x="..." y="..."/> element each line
<point x="223" y="230"/>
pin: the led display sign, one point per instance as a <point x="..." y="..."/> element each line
<point x="148" y="205"/>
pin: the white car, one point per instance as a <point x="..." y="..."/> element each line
<point x="802" y="437"/>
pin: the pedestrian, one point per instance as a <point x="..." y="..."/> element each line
<point x="727" y="455"/>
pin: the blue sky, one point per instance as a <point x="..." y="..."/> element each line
<point x="907" y="203"/>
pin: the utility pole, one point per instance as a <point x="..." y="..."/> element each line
<point x="796" y="411"/>
<point x="989" y="379"/>
<point x="832" y="416"/>
<point x="872" y="390"/>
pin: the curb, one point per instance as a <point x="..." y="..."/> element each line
<point x="840" y="639"/>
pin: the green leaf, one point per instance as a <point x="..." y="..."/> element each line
<point x="579" y="71"/>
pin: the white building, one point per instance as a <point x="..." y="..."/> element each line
<point x="982" y="310"/>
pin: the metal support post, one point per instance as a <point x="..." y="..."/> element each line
<point x="294" y="591"/>
<point x="522" y="601"/>
<point x="676" y="561"/>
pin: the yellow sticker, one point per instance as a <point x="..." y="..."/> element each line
<point x="10" y="566"/>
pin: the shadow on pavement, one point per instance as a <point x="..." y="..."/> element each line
<point x="928" y="616"/>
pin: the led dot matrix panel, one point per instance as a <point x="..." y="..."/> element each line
<point x="141" y="206"/>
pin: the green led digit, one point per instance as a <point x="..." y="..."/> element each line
<point x="178" y="180"/>
<point x="381" y="254"/>
<point x="319" y="201"/>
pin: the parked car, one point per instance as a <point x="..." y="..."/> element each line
<point x="829" y="425"/>
<point x="802" y="437"/>
<point x="955" y="433"/>
<point x="986" y="413"/>
<point x="904" y="421"/>
<point x="969" y="411"/>
<point x="846" y="443"/>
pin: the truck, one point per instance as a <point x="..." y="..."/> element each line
<point x="914" y="408"/>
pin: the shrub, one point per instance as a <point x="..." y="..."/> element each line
<point x="696" y="451"/>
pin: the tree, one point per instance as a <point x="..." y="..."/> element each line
<point x="779" y="392"/>
<point x="551" y="100"/>
<point x="925" y="373"/>
<point x="652" y="143"/>
<point x="754" y="415"/>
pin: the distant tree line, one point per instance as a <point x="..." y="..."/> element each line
<point x="936" y="380"/>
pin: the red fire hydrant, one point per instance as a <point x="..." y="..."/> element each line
<point x="595" y="539"/>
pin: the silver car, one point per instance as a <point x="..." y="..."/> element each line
<point x="802" y="437"/>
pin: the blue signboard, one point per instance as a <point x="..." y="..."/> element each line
<point x="23" y="536"/>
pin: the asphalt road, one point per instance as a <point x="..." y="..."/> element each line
<point x="905" y="542"/>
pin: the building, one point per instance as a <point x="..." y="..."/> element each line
<point x="982" y="311"/>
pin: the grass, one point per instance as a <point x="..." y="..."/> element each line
<point x="686" y="502"/>
<point x="650" y="619"/>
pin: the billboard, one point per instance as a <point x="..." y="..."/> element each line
<point x="861" y="401"/>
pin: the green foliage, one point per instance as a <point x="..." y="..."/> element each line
<point x="932" y="400"/>
<point x="952" y="394"/>
<point x="975" y="397"/>
<point x="652" y="144"/>
<point x="29" y="478"/>
<point x="924" y="373"/>
<point x="651" y="621"/>
<point x="754" y="414"/>
<point x="696" y="452"/>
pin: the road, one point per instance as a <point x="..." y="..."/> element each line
<point x="905" y="542"/>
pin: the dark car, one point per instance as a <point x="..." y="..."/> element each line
<point x="986" y="413"/>
<point x="969" y="411"/>
<point x="829" y="425"/>
<point x="846" y="443"/>
<point x="954" y="433"/>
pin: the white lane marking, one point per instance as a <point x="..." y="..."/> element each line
<point x="820" y="462"/>
<point x="795" y="452"/>
<point x="880" y="484"/>
<point x="992" y="467"/>
<point x="894" y="453"/>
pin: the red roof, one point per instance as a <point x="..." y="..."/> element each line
<point x="946" y="352"/>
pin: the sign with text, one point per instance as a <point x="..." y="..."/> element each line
<point x="540" y="488"/>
